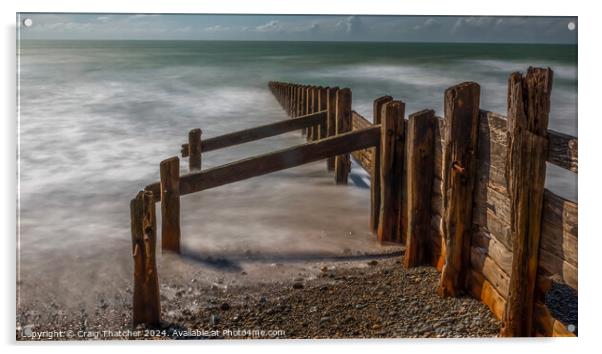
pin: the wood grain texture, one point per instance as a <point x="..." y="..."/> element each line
<point x="146" y="300"/>
<point x="342" y="164"/>
<point x="391" y="173"/>
<point x="419" y="159"/>
<point x="278" y="160"/>
<point x="528" y="113"/>
<point x="459" y="161"/>
<point x="547" y="325"/>
<point x="375" y="165"/>
<point x="194" y="150"/>
<point x="480" y="288"/>
<point x="170" y="204"/>
<point x="331" y="125"/>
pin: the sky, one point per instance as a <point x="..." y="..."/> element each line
<point x="300" y="28"/>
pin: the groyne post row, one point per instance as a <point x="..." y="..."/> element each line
<point x="464" y="193"/>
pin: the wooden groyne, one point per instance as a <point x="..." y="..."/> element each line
<point x="464" y="193"/>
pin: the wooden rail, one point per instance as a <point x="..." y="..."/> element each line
<point x="458" y="191"/>
<point x="274" y="161"/>
<point x="257" y="133"/>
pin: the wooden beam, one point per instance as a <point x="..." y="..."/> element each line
<point x="375" y="174"/>
<point x="391" y="175"/>
<point x="194" y="150"/>
<point x="146" y="300"/>
<point x="420" y="161"/>
<point x="342" y="164"/>
<point x="563" y="150"/>
<point x="170" y="205"/>
<point x="331" y="126"/>
<point x="276" y="161"/>
<point x="459" y="174"/>
<point x="528" y="114"/>
<point x="260" y="132"/>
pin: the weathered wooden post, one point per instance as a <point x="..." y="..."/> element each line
<point x="459" y="174"/>
<point x="306" y="103"/>
<point x="294" y="101"/>
<point x="312" y="106"/>
<point x="375" y="179"/>
<point x="170" y="204"/>
<point x="331" y="125"/>
<point x="194" y="150"/>
<point x="528" y="114"/>
<point x="146" y="300"/>
<point x="342" y="164"/>
<point x="420" y="173"/>
<point x="322" y="106"/>
<point x="392" y="144"/>
<point x="299" y="100"/>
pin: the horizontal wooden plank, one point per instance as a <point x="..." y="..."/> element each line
<point x="562" y="244"/>
<point x="359" y="122"/>
<point x="561" y="212"/>
<point x="552" y="265"/>
<point x="546" y="324"/>
<point x="260" y="132"/>
<point x="482" y="263"/>
<point x="276" y="161"/>
<point x="562" y="150"/>
<point x="494" y="249"/>
<point x="493" y="200"/>
<point x="486" y="218"/>
<point x="481" y="289"/>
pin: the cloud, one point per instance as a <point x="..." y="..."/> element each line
<point x="216" y="28"/>
<point x="272" y="26"/>
<point x="353" y="25"/>
<point x="429" y="23"/>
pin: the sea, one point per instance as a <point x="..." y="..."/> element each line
<point x="95" y="118"/>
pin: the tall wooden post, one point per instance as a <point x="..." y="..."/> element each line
<point x="392" y="144"/>
<point x="528" y="114"/>
<point x="375" y="179"/>
<point x="312" y="104"/>
<point x="170" y="204"/>
<point x="331" y="125"/>
<point x="420" y="171"/>
<point x="146" y="300"/>
<point x="459" y="174"/>
<point x="294" y="101"/>
<point x="194" y="150"/>
<point x="342" y="164"/>
<point x="322" y="106"/>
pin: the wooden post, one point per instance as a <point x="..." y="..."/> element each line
<point x="146" y="300"/>
<point x="528" y="113"/>
<point x="170" y="205"/>
<point x="194" y="150"/>
<point x="375" y="179"/>
<point x="316" y="108"/>
<point x="322" y="106"/>
<point x="294" y="101"/>
<point x="306" y="102"/>
<point x="299" y="100"/>
<point x="459" y="174"/>
<point x="342" y="164"/>
<point x="331" y="126"/>
<point x="311" y="104"/>
<point x="392" y="144"/>
<point x="420" y="171"/>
